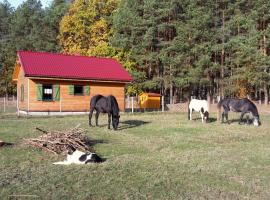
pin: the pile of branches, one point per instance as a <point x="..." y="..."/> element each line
<point x="61" y="142"/>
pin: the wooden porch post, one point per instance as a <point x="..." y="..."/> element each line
<point x="132" y="104"/>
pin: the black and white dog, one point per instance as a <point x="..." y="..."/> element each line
<point x="79" y="157"/>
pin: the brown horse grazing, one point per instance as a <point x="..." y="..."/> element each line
<point x="238" y="105"/>
<point x="108" y="105"/>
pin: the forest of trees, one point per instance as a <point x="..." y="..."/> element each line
<point x="179" y="48"/>
<point x="29" y="27"/>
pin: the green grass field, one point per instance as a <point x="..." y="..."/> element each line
<point x="153" y="156"/>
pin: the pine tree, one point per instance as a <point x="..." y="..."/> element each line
<point x="27" y="27"/>
<point x="194" y="45"/>
<point x="36" y="29"/>
<point x="53" y="15"/>
<point x="147" y="29"/>
<point x="261" y="15"/>
<point x="6" y="49"/>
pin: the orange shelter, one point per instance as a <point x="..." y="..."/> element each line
<point x="150" y="100"/>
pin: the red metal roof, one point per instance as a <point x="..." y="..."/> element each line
<point x="51" y="65"/>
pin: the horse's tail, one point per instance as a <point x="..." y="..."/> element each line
<point x="219" y="105"/>
<point x="94" y="100"/>
<point x="113" y="105"/>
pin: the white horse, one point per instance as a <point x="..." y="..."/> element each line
<point x="199" y="106"/>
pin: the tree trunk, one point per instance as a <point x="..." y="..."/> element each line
<point x="6" y="82"/>
<point x="260" y="95"/>
<point x="265" y="88"/>
<point x="171" y="86"/>
<point x="256" y="93"/>
<point x="209" y="97"/>
<point x="266" y="97"/>
<point x="222" y="55"/>
<point x="171" y="93"/>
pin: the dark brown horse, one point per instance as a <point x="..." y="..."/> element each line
<point x="238" y="105"/>
<point x="108" y="105"/>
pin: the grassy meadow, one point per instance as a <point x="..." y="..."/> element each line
<point x="152" y="156"/>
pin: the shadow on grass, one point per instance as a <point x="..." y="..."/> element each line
<point x="131" y="124"/>
<point x="92" y="142"/>
<point x="125" y="124"/>
<point x="210" y="120"/>
<point x="244" y="121"/>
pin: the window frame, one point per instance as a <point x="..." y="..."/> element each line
<point x="82" y="90"/>
<point x="43" y="92"/>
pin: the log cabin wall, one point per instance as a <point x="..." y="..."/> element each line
<point x="73" y="103"/>
<point x="115" y="89"/>
<point x="22" y="95"/>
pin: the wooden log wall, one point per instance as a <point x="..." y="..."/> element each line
<point x="22" y="80"/>
<point x="74" y="103"/>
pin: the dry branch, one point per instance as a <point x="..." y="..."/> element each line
<point x="60" y="142"/>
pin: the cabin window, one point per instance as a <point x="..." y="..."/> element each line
<point x="22" y="93"/>
<point x="78" y="90"/>
<point x="47" y="92"/>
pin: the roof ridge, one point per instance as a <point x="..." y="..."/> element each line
<point x="63" y="54"/>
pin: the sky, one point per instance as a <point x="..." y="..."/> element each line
<point x="15" y="3"/>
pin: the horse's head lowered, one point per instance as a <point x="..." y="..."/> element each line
<point x="115" y="121"/>
<point x="205" y="115"/>
<point x="256" y="121"/>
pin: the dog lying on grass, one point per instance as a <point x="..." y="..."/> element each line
<point x="79" y="157"/>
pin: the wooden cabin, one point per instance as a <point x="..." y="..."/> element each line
<point x="49" y="83"/>
<point x="150" y="101"/>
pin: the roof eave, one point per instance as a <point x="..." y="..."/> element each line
<point x="78" y="79"/>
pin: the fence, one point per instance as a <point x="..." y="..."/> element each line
<point x="132" y="104"/>
<point x="8" y="104"/>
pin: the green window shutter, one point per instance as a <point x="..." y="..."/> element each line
<point x="86" y="90"/>
<point x="56" y="92"/>
<point x="22" y="93"/>
<point x="71" y="89"/>
<point x="39" y="92"/>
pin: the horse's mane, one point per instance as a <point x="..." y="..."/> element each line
<point x="114" y="105"/>
<point x="224" y="100"/>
